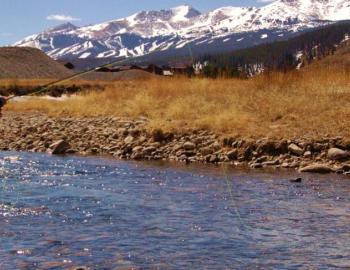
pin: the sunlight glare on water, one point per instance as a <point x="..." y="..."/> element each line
<point x="60" y="212"/>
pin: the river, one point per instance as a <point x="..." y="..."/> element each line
<point x="60" y="212"/>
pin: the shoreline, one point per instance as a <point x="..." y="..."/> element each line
<point x="129" y="139"/>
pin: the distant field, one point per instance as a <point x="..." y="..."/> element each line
<point x="22" y="87"/>
<point x="87" y="81"/>
<point x="314" y="103"/>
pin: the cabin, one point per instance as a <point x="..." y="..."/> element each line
<point x="182" y="69"/>
<point x="154" y="69"/>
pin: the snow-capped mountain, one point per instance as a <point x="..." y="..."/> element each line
<point x="184" y="27"/>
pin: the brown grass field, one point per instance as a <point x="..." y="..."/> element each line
<point x="312" y="103"/>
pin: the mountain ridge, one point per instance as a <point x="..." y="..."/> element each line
<point x="173" y="29"/>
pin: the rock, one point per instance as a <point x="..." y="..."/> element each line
<point x="232" y="155"/>
<point x="158" y="135"/>
<point x="113" y="149"/>
<point x="272" y="148"/>
<point x="318" y="147"/>
<point x="137" y="155"/>
<point x="228" y="141"/>
<point x="213" y="159"/>
<point x="134" y="132"/>
<point x="285" y="165"/>
<point x="308" y="154"/>
<point x="261" y="159"/>
<point x="59" y="147"/>
<point x="256" y="166"/>
<point x="129" y="139"/>
<point x="206" y="151"/>
<point x="189" y="153"/>
<point x="296" y="150"/>
<point x="122" y="132"/>
<point x="294" y="164"/>
<point x="345" y="167"/>
<point x="189" y="146"/>
<point x="137" y="149"/>
<point x="216" y="146"/>
<point x="296" y="180"/>
<point x="149" y="150"/>
<point x="79" y="268"/>
<point x="245" y="154"/>
<point x="316" y="168"/>
<point x="142" y="139"/>
<point x="271" y="163"/>
<point x="337" y="154"/>
<point x="176" y="148"/>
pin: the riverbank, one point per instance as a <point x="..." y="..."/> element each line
<point x="132" y="139"/>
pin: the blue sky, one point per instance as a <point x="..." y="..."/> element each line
<point x="20" y="18"/>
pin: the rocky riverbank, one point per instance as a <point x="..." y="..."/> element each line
<point x="130" y="139"/>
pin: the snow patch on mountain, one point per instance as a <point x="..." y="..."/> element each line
<point x="149" y="31"/>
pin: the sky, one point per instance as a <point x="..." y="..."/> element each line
<point x="21" y="18"/>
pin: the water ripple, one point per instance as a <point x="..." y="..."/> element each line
<point x="60" y="212"/>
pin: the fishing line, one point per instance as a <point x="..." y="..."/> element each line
<point x="46" y="87"/>
<point x="230" y="192"/>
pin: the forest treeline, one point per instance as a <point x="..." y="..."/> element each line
<point x="278" y="56"/>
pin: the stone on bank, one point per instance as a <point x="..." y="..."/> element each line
<point x="59" y="148"/>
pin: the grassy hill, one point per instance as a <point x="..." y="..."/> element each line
<point x="29" y="63"/>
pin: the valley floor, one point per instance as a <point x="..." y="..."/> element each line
<point x="312" y="104"/>
<point x="288" y="120"/>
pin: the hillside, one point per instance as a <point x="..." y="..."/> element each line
<point x="339" y="60"/>
<point x="278" y="56"/>
<point x="29" y="63"/>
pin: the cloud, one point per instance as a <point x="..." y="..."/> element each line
<point x="62" y="18"/>
<point x="266" y="1"/>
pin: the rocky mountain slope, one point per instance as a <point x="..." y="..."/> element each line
<point x="184" y="29"/>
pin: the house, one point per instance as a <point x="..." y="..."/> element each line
<point x="154" y="69"/>
<point x="168" y="73"/>
<point x="182" y="69"/>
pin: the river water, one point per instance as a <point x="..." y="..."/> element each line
<point x="60" y="212"/>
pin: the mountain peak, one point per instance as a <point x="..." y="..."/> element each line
<point x="172" y="29"/>
<point x="185" y="11"/>
<point x="63" y="27"/>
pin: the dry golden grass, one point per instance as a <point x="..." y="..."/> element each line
<point x="15" y="82"/>
<point x="310" y="103"/>
<point x="38" y="82"/>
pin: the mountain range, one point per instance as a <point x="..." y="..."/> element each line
<point x="185" y="30"/>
